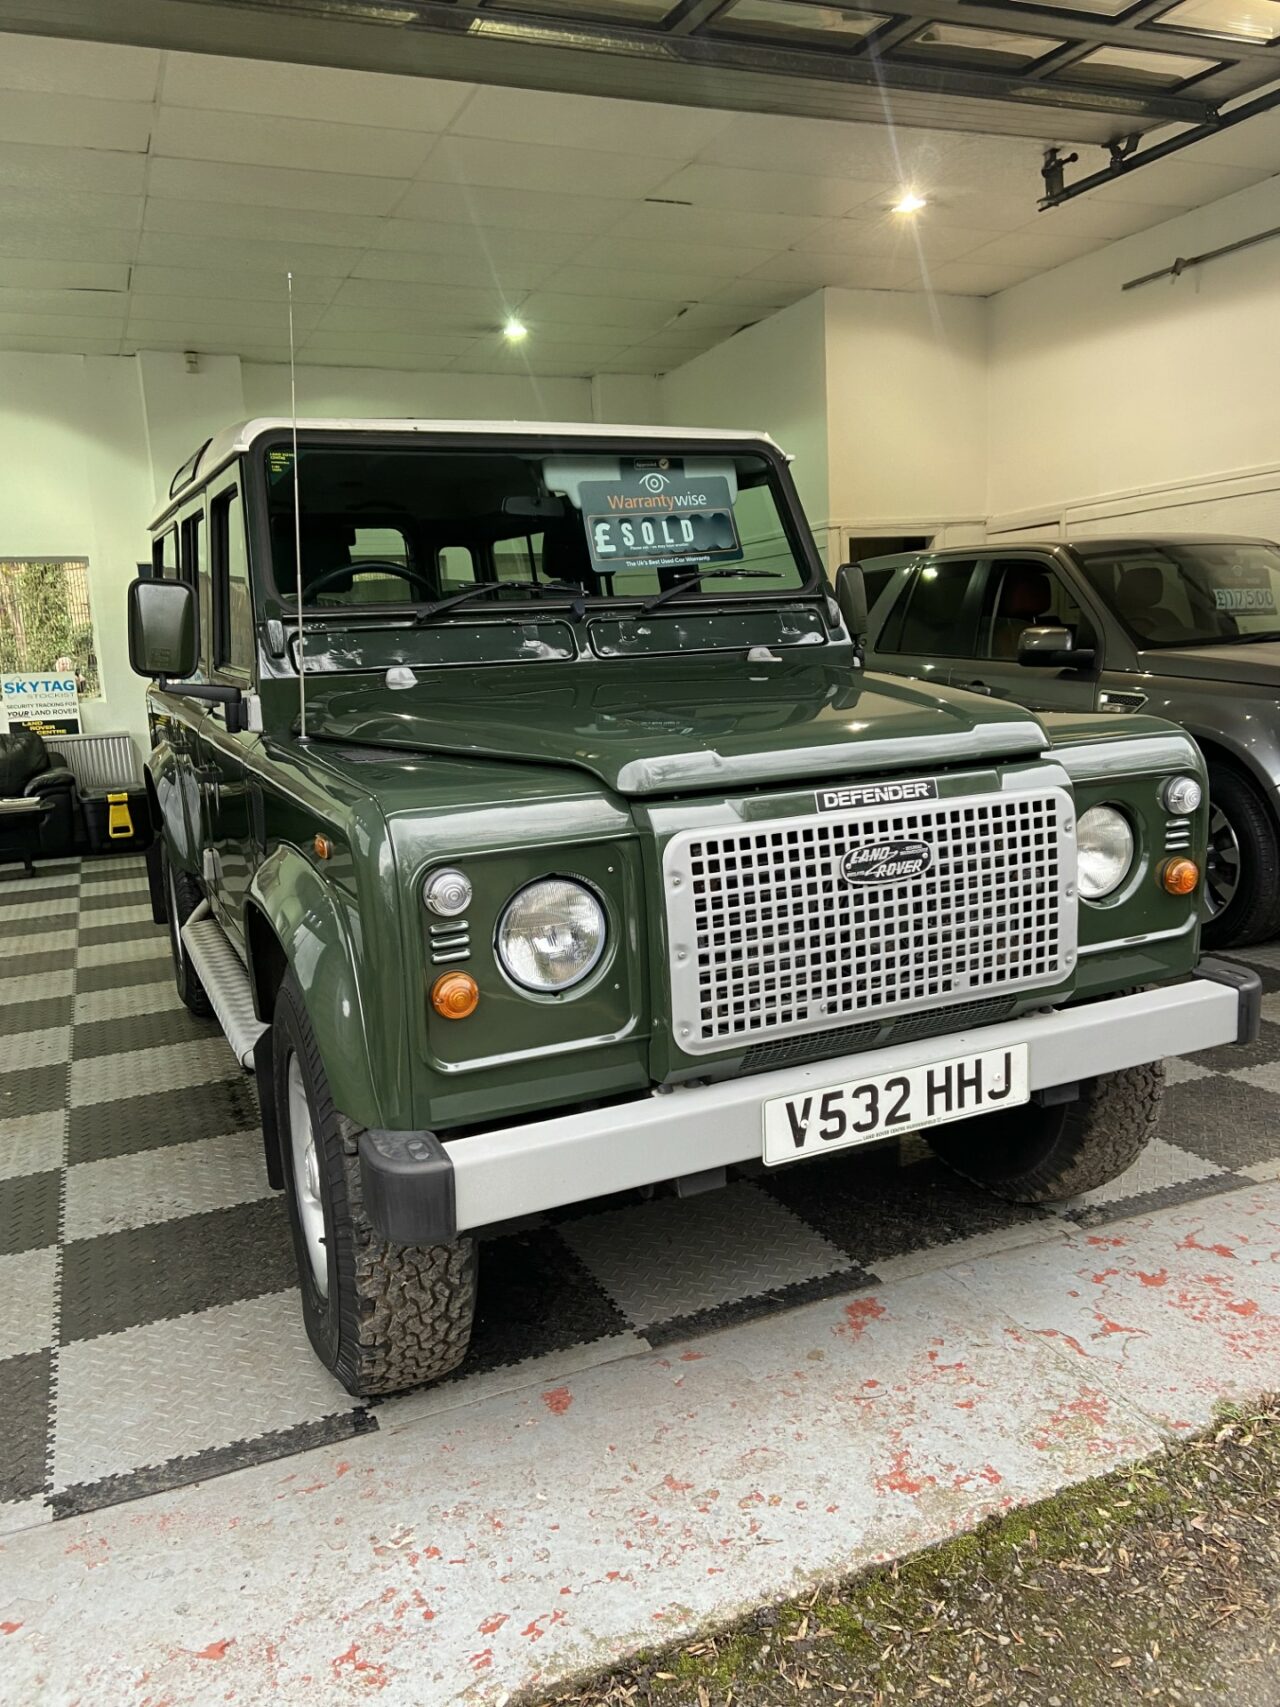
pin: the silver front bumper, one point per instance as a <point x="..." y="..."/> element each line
<point x="542" y="1164"/>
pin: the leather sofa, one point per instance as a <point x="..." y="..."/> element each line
<point x="38" y="807"/>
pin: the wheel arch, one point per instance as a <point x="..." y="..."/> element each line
<point x="1220" y="752"/>
<point x="296" y="922"/>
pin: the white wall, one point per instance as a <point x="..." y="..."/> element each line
<point x="1150" y="408"/>
<point x="772" y="376"/>
<point x="906" y="410"/>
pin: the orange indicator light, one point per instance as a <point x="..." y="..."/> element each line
<point x="455" y="995"/>
<point x="1180" y="876"/>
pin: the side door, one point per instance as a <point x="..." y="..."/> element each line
<point x="1019" y="592"/>
<point x="225" y="751"/>
<point x="932" y="621"/>
<point x="176" y="555"/>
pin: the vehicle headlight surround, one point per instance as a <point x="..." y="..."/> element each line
<point x="1105" y="851"/>
<point x="1181" y="795"/>
<point x="551" y="935"/>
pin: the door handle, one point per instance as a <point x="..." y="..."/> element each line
<point x="976" y="687"/>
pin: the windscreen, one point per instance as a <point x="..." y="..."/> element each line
<point x="388" y="527"/>
<point x="1200" y="594"/>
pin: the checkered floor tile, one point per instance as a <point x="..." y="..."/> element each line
<point x="149" y="1330"/>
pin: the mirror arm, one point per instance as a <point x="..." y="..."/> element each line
<point x="220" y="693"/>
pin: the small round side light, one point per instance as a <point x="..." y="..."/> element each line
<point x="1180" y="876"/>
<point x="1181" y="795"/>
<point x="323" y="847"/>
<point x="455" y="995"/>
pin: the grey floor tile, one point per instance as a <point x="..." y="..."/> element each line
<point x="171" y="1389"/>
<point x="153" y="946"/>
<point x="1160" y="1166"/>
<point x="123" y="1001"/>
<point x="32" y="1144"/>
<point x="148" y="1274"/>
<point x="18" y="989"/>
<point x="39" y="939"/>
<point x="676" y="1256"/>
<point x="1223" y="1119"/>
<point x="163" y="1184"/>
<point x="25" y="1383"/>
<point x="123" y="977"/>
<point x="106" y="1078"/>
<point x="28" y="1285"/>
<point x="50" y="1047"/>
<point x="17" y="922"/>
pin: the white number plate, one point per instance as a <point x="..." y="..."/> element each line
<point x="864" y="1110"/>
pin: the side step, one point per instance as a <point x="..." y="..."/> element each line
<point x="217" y="965"/>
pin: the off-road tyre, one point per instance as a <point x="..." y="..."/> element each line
<point x="1253" y="913"/>
<point x="182" y="896"/>
<point x="396" y="1316"/>
<point x="1044" y="1155"/>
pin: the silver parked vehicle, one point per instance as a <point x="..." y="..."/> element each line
<point x="1186" y="628"/>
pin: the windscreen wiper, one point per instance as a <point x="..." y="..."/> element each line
<point x="699" y="575"/>
<point x="482" y="589"/>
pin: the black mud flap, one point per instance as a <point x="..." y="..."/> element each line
<point x="155" y="883"/>
<point x="265" y="1079"/>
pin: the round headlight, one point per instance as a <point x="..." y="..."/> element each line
<point x="447" y="893"/>
<point x="1181" y="795"/>
<point x="1106" y="851"/>
<point x="551" y="934"/>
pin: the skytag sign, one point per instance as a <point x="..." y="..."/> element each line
<point x="46" y="704"/>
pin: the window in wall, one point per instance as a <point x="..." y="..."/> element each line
<point x="45" y="620"/>
<point x="234" y="624"/>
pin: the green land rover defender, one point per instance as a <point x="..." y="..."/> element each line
<point x="529" y="823"/>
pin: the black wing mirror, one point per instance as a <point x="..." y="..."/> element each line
<point x="851" y="596"/>
<point x="1052" y="648"/>
<point x="162" y="629"/>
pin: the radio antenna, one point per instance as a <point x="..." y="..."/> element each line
<point x="297" y="526"/>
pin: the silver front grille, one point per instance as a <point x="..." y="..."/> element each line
<point x="769" y="940"/>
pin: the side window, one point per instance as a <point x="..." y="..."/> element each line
<point x="456" y="567"/>
<point x="164" y="555"/>
<point x="1022" y="591"/>
<point x="518" y="559"/>
<point x="232" y="602"/>
<point x="195" y="571"/>
<point x="936" y="614"/>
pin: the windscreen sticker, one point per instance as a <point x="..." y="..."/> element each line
<point x="279" y="463"/>
<point x="655" y="516"/>
<point x="1255" y="600"/>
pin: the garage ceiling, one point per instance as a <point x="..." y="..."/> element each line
<point x="155" y="200"/>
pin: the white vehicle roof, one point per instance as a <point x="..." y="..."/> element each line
<point x="232" y="442"/>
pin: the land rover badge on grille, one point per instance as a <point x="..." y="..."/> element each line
<point x="886" y="862"/>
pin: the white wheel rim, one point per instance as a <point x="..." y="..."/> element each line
<point x="306" y="1177"/>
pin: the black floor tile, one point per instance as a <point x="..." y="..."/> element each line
<point x="1222" y="1119"/>
<point x="34" y="1090"/>
<point x="1233" y="1057"/>
<point x="38" y="1015"/>
<point x="29" y="1211"/>
<point x="149" y="1274"/>
<point x="36" y="966"/>
<point x="106" y="936"/>
<point x="738" y="1310"/>
<point x="872" y="1206"/>
<point x="152" y="970"/>
<point x="534" y="1297"/>
<point x="103" y="1129"/>
<point x="14" y="897"/>
<point x="141" y="1031"/>
<point x="24" y="1424"/>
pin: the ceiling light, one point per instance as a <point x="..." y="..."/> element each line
<point x="910" y="203"/>
<point x="514" y="330"/>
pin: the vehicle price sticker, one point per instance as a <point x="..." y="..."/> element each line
<point x="862" y="1111"/>
<point x="659" y="518"/>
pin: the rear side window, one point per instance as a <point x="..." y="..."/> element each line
<point x="936" y="614"/>
<point x="1023" y="591"/>
<point x="164" y="555"/>
<point x="233" y="640"/>
<point x="195" y="571"/>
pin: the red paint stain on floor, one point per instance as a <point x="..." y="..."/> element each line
<point x="1113" y="1242"/>
<point x="1191" y="1243"/>
<point x="1158" y="1278"/>
<point x="9" y="1627"/>
<point x="1107" y="1326"/>
<point x="692" y="1356"/>
<point x="859" y="1316"/>
<point x="215" y="1650"/>
<point x="492" y="1624"/>
<point x="899" y="1479"/>
<point x="1067" y="1339"/>
<point x="367" y="1671"/>
<point x="669" y="1481"/>
<point x="558" y="1400"/>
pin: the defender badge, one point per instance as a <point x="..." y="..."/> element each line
<point x="886" y="862"/>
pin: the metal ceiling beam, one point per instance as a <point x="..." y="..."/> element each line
<point x="422" y="38"/>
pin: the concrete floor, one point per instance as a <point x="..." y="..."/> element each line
<point x="496" y="1537"/>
